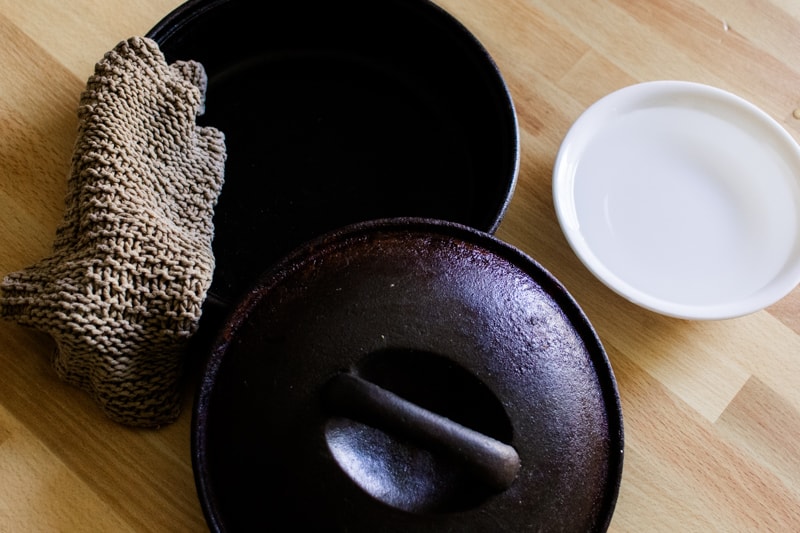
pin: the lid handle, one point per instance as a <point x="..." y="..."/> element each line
<point x="495" y="462"/>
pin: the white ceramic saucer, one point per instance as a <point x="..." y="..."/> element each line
<point x="683" y="198"/>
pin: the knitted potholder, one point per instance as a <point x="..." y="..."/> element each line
<point x="132" y="262"/>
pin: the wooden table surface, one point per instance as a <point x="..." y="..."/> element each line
<point x="712" y="409"/>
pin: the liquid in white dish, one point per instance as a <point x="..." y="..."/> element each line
<point x="685" y="206"/>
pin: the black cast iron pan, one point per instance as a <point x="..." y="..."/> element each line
<point x="338" y="112"/>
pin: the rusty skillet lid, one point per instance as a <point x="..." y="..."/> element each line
<point x="408" y="375"/>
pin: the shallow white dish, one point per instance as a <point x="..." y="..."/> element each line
<point x="683" y="198"/>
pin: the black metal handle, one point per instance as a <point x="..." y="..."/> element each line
<point x="495" y="462"/>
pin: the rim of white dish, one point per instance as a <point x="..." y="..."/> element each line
<point x="683" y="198"/>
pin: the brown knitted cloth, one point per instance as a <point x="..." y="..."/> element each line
<point x="131" y="264"/>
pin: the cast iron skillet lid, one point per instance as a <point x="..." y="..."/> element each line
<point x="408" y="375"/>
<point x="338" y="112"/>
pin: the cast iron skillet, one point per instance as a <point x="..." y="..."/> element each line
<point x="408" y="375"/>
<point x="336" y="112"/>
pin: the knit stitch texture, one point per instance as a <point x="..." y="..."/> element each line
<point x="122" y="291"/>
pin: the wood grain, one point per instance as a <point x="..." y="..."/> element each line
<point x="712" y="409"/>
